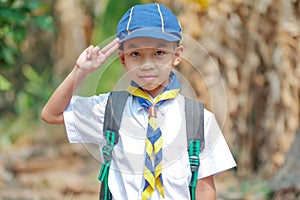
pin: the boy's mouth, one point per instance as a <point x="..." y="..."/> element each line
<point x="148" y="78"/>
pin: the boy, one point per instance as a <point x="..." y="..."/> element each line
<point x="148" y="45"/>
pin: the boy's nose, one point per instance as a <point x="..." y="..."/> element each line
<point x="147" y="64"/>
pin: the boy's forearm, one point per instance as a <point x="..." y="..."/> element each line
<point x="53" y="111"/>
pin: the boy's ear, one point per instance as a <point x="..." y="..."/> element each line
<point x="121" y="57"/>
<point x="178" y="54"/>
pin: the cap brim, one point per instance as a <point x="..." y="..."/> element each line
<point x="151" y="33"/>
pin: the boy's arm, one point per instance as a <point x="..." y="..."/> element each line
<point x="88" y="61"/>
<point x="205" y="189"/>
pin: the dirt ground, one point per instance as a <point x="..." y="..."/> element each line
<point x="39" y="168"/>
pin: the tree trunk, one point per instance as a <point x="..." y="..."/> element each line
<point x="285" y="183"/>
<point x="74" y="25"/>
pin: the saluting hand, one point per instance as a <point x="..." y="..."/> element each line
<point x="93" y="57"/>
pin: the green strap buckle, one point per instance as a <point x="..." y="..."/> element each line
<point x="107" y="153"/>
<point x="194" y="163"/>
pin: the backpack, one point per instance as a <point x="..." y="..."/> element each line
<point x="113" y="115"/>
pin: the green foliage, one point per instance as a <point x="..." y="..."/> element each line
<point x="13" y="128"/>
<point x="23" y="87"/>
<point x="29" y="101"/>
<point x="37" y="88"/>
<point x="4" y="83"/>
<point x="15" y="18"/>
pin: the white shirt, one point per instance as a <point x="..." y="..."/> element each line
<point x="84" y="124"/>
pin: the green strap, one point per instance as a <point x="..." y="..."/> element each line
<point x="104" y="171"/>
<point x="194" y="152"/>
<point x="112" y="120"/>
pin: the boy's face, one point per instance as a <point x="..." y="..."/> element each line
<point x="149" y="62"/>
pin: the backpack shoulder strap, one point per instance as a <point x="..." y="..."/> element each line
<point x="114" y="110"/>
<point x="194" y="114"/>
<point x="112" y="120"/>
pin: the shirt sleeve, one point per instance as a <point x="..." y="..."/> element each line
<point x="84" y="119"/>
<point x="216" y="155"/>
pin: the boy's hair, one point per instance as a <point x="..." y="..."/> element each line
<point x="149" y="20"/>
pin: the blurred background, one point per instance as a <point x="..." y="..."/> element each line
<point x="254" y="44"/>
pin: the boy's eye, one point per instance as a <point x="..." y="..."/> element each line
<point x="135" y="54"/>
<point x="159" y="53"/>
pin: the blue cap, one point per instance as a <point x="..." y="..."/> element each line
<point x="149" y="20"/>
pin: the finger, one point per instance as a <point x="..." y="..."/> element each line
<point x="95" y="50"/>
<point x="89" y="49"/>
<point x="110" y="51"/>
<point x="95" y="53"/>
<point x="110" y="45"/>
<point x="88" y="52"/>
